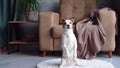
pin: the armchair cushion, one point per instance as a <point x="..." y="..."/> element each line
<point x="76" y="8"/>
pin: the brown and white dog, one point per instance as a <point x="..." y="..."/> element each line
<point x="69" y="45"/>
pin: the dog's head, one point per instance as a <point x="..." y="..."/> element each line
<point x="67" y="24"/>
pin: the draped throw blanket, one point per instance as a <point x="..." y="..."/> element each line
<point x="90" y="35"/>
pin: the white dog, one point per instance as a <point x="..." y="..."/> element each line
<point x="69" y="45"/>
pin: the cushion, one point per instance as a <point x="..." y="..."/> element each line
<point x="76" y="8"/>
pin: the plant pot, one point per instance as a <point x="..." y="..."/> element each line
<point x="30" y="15"/>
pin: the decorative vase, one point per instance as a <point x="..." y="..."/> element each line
<point x="30" y="15"/>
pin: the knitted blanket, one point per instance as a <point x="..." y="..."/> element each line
<point x="90" y="35"/>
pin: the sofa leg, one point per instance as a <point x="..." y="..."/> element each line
<point x="110" y="54"/>
<point x="43" y="53"/>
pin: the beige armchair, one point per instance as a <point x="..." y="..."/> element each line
<point x="50" y="30"/>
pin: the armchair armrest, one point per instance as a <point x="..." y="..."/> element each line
<point x="108" y="20"/>
<point x="46" y="21"/>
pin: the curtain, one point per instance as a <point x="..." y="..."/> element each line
<point x="8" y="11"/>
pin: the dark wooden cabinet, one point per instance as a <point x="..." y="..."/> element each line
<point x="17" y="38"/>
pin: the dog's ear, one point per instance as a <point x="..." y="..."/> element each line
<point x="63" y="23"/>
<point x="72" y="19"/>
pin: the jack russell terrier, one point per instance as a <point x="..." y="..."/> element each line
<point x="69" y="45"/>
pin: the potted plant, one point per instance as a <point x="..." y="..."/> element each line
<point x="30" y="7"/>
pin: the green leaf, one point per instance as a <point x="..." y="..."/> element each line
<point x="31" y="5"/>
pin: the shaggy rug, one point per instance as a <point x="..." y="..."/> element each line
<point x="94" y="63"/>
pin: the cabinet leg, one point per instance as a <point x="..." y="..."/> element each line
<point x="12" y="48"/>
<point x="43" y="53"/>
<point x="2" y="49"/>
<point x="110" y="54"/>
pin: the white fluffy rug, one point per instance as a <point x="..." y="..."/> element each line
<point x="95" y="63"/>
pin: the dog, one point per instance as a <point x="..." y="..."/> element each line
<point x="69" y="44"/>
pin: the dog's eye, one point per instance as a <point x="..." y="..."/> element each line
<point x="70" y="22"/>
<point x="64" y="23"/>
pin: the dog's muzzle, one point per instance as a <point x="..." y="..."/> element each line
<point x="68" y="26"/>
